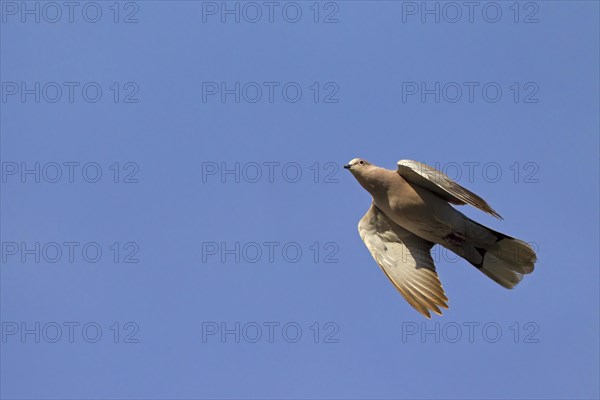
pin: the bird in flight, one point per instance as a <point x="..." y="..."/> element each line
<point x="411" y="212"/>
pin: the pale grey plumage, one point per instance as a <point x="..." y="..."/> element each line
<point x="410" y="213"/>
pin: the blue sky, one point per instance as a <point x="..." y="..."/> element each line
<point x="185" y="229"/>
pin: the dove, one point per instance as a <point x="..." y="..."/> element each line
<point x="411" y="211"/>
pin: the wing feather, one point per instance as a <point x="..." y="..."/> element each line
<point x="405" y="259"/>
<point x="441" y="184"/>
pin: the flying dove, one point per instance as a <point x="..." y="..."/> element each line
<point x="410" y="213"/>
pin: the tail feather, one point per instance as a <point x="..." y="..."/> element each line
<point x="519" y="255"/>
<point x="502" y="258"/>
<point x="500" y="271"/>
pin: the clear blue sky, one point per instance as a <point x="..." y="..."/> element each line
<point x="368" y="89"/>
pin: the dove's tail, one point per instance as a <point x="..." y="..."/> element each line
<point x="502" y="258"/>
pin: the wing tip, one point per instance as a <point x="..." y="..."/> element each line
<point x="427" y="314"/>
<point x="495" y="214"/>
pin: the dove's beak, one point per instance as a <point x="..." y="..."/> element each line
<point x="347" y="166"/>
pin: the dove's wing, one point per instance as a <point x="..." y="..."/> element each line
<point x="439" y="183"/>
<point x="406" y="260"/>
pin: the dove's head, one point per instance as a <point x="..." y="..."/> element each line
<point x="363" y="171"/>
<point x="356" y="164"/>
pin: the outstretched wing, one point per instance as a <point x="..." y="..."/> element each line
<point x="406" y="260"/>
<point x="439" y="183"/>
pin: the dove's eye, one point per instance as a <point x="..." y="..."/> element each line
<point x="361" y="162"/>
